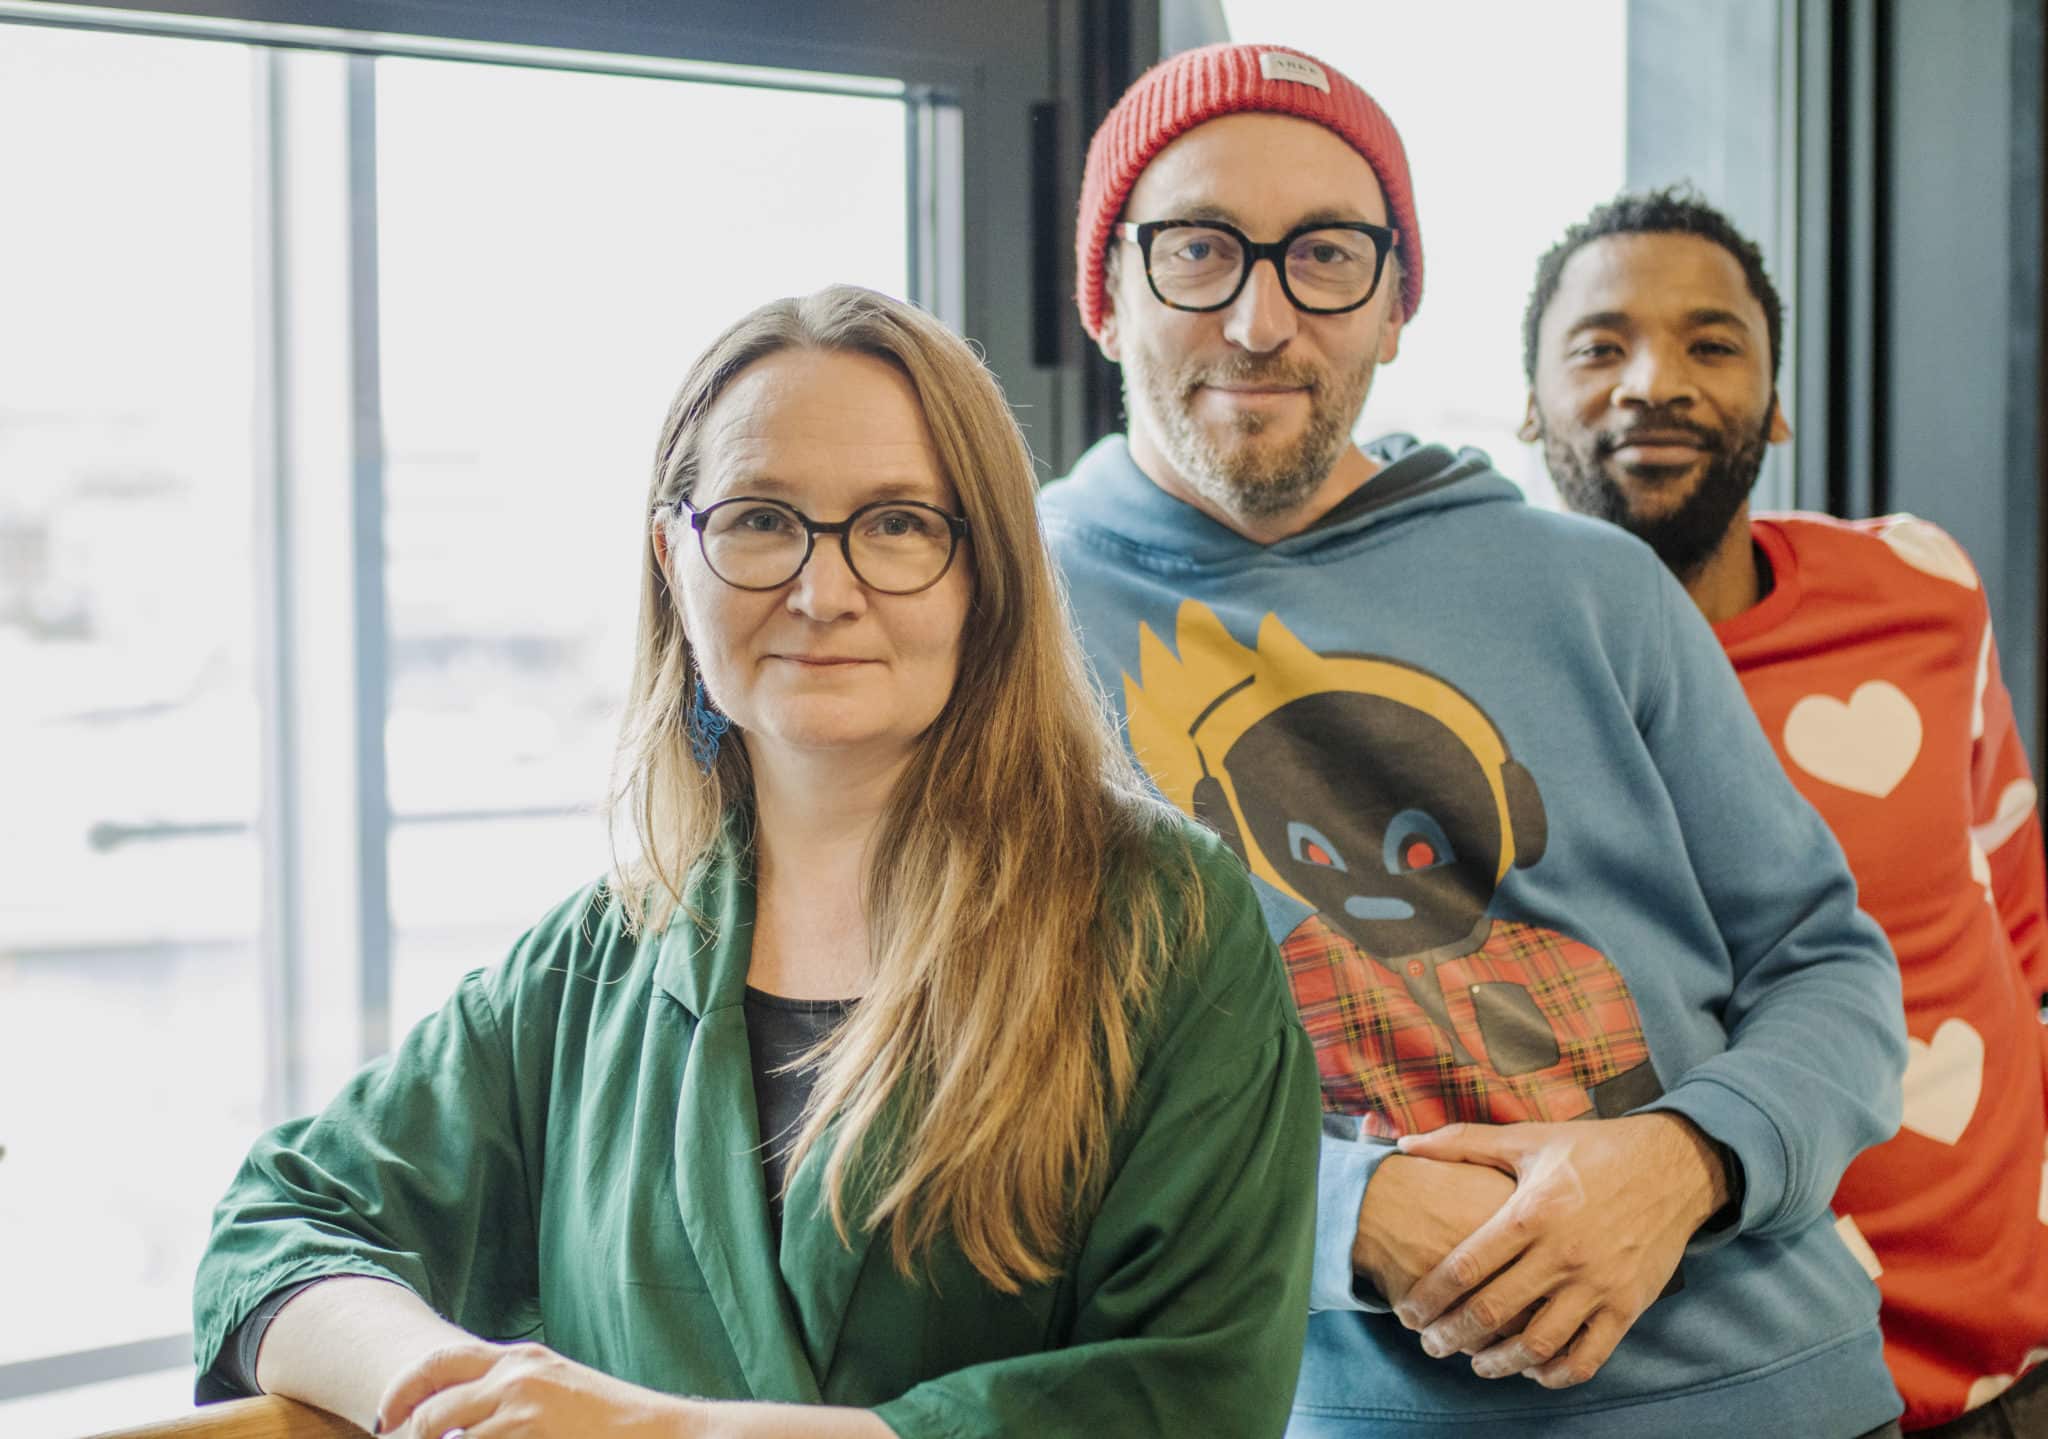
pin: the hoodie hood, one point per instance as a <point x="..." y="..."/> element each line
<point x="1110" y="498"/>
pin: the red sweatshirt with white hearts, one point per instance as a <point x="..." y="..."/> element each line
<point x="1872" y="667"/>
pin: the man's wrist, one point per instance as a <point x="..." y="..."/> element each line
<point x="1368" y="1252"/>
<point x="1718" y="1170"/>
<point x="1733" y="1186"/>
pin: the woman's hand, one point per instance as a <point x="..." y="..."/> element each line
<point x="525" y="1391"/>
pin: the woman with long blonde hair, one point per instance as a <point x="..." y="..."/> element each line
<point x="913" y="1065"/>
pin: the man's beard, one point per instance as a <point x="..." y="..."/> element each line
<point x="1250" y="480"/>
<point x="1686" y="536"/>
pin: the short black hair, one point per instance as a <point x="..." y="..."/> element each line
<point x="1677" y="210"/>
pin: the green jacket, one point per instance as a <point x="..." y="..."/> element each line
<point x="567" y="1150"/>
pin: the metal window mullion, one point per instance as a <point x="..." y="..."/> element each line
<point x="278" y="805"/>
<point x="825" y="80"/>
<point x="1781" y="481"/>
<point x="2026" y="551"/>
<point x="26" y="1378"/>
<point x="933" y="182"/>
<point x="1883" y="86"/>
<point x="1811" y="377"/>
<point x="370" y="616"/>
<point x="1857" y="484"/>
<point x="916" y="232"/>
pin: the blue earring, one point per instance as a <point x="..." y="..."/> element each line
<point x="706" y="725"/>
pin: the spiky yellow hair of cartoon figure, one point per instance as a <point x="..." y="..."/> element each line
<point x="1191" y="703"/>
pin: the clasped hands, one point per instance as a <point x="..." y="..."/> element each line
<point x="1533" y="1248"/>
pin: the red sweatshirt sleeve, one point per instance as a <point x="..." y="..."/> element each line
<point x="2007" y="823"/>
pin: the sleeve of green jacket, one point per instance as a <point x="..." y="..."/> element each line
<point x="414" y="1173"/>
<point x="1193" y="1279"/>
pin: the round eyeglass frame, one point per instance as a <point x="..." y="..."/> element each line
<point x="1384" y="238"/>
<point x="956" y="531"/>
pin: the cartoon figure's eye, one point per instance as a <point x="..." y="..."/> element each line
<point x="1311" y="846"/>
<point x="1415" y="842"/>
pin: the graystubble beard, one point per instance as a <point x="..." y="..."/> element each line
<point x="1251" y="484"/>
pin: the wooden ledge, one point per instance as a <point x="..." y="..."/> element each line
<point x="265" y="1418"/>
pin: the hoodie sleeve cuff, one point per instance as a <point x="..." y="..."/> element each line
<point x="1346" y="1167"/>
<point x="1746" y="1132"/>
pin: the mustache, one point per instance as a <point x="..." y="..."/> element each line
<point x="1255" y="370"/>
<point x="1658" y="422"/>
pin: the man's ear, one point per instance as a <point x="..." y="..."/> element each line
<point x="1532" y="423"/>
<point x="1105" y="335"/>
<point x="1781" y="428"/>
<point x="1390" y="333"/>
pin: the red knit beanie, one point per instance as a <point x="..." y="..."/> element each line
<point x="1184" y="90"/>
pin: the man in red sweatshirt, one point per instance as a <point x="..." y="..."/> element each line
<point x="1652" y="345"/>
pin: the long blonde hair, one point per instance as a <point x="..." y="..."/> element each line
<point x="1017" y="921"/>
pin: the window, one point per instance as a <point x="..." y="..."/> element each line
<point x="328" y="393"/>
<point x="131" y="998"/>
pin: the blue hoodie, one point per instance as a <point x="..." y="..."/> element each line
<point x="1528" y="856"/>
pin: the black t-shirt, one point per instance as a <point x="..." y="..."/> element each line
<point x="780" y="1031"/>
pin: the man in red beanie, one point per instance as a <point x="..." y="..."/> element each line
<point x="1599" y="1023"/>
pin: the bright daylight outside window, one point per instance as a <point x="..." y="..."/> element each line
<point x="552" y="249"/>
<point x="555" y="250"/>
<point x="130" y="1038"/>
<point x="1508" y="141"/>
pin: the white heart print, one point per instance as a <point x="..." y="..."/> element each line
<point x="1943" y="1080"/>
<point x="1852" y="1236"/>
<point x="1992" y="1385"/>
<point x="2041" y="1207"/>
<point x="1866" y="745"/>
<point x="2015" y="807"/>
<point x="1929" y="549"/>
<point x="1982" y="683"/>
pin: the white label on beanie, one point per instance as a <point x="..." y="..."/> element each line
<point x="1278" y="65"/>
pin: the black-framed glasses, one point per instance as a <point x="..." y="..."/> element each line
<point x="1324" y="269"/>
<point x="895" y="547"/>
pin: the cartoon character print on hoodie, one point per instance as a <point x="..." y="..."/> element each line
<point x="1387" y="801"/>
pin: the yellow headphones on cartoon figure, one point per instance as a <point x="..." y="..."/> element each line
<point x="1219" y="689"/>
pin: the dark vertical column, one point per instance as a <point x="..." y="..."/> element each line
<point x="1049" y="298"/>
<point x="1817" y="235"/>
<point x="1860" y="252"/>
<point x="2027" y="397"/>
<point x="1119" y="41"/>
<point x="1878" y="85"/>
